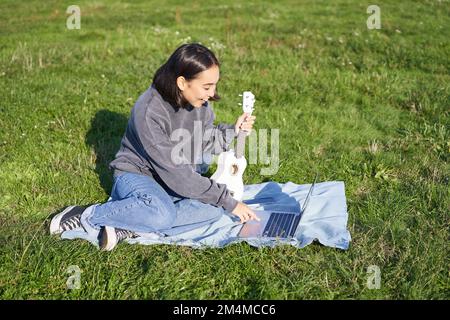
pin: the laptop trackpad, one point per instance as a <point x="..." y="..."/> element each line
<point x="254" y="228"/>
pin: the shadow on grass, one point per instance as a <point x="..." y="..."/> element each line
<point x="104" y="135"/>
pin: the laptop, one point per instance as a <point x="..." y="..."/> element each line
<point x="275" y="224"/>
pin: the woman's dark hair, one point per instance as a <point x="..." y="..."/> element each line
<point x="187" y="61"/>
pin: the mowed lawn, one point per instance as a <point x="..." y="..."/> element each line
<point x="367" y="107"/>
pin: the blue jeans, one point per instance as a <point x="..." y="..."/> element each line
<point x="138" y="203"/>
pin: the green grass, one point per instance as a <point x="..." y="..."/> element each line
<point x="367" y="107"/>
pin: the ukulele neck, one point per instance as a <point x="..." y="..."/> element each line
<point x="240" y="145"/>
<point x="247" y="105"/>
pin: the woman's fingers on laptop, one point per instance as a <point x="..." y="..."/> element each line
<point x="245" y="216"/>
<point x="241" y="216"/>
<point x="254" y="216"/>
<point x="245" y="213"/>
<point x="251" y="215"/>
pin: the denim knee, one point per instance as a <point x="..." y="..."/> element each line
<point x="160" y="215"/>
<point x="216" y="213"/>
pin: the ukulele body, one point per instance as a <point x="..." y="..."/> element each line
<point x="229" y="172"/>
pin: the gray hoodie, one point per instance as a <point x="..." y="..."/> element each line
<point x="155" y="134"/>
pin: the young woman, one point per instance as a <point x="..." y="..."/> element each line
<point x="153" y="190"/>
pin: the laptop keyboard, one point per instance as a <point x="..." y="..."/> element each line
<point x="281" y="224"/>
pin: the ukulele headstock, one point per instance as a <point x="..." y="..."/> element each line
<point x="248" y="100"/>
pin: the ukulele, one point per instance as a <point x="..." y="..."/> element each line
<point x="231" y="164"/>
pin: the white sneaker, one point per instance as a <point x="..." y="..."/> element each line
<point x="68" y="219"/>
<point x="109" y="237"/>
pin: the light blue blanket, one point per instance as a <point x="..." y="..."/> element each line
<point x="325" y="219"/>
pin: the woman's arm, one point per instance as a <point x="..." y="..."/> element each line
<point x="180" y="178"/>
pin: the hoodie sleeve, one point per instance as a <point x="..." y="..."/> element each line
<point x="179" y="177"/>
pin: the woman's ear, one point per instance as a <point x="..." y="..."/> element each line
<point x="181" y="83"/>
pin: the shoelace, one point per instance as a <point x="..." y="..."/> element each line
<point x="123" y="234"/>
<point x="71" y="223"/>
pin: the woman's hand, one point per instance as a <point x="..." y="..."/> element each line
<point x="245" y="122"/>
<point x="245" y="213"/>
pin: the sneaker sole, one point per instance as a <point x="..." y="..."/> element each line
<point x="109" y="239"/>
<point x="55" y="227"/>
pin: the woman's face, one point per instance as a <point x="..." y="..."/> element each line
<point x="197" y="91"/>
